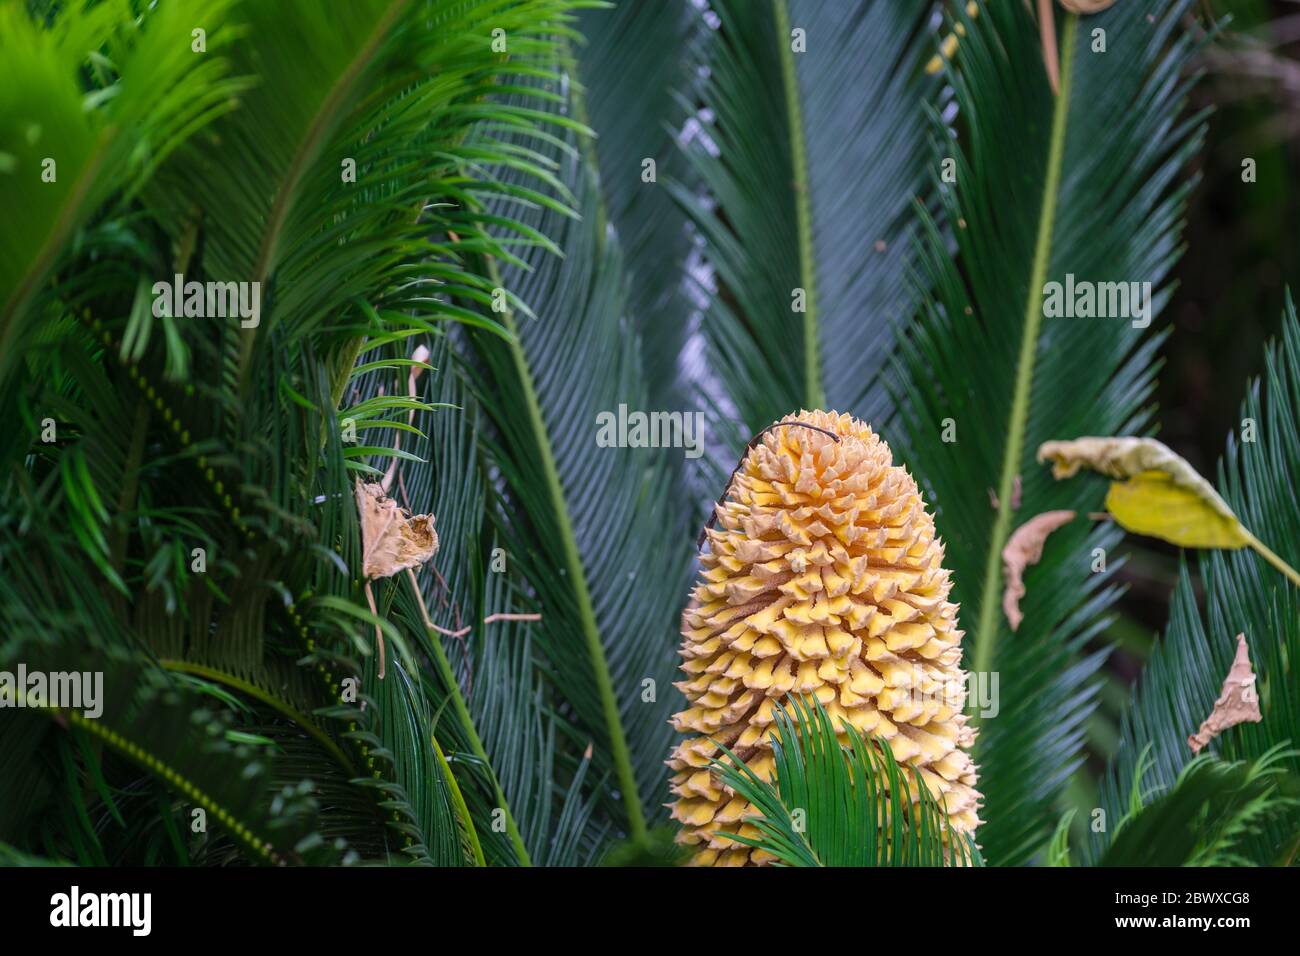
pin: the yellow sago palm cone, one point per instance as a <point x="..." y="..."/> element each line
<point x="823" y="577"/>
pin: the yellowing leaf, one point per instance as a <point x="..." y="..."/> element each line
<point x="1159" y="493"/>
<point x="1238" y="702"/>
<point x="1151" y="503"/>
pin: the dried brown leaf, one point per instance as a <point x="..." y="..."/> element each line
<point x="392" y="540"/>
<point x="1238" y="702"/>
<point x="1023" y="548"/>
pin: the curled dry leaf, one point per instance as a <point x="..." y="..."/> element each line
<point x="1157" y="492"/>
<point x="1125" y="457"/>
<point x="1023" y="548"/>
<point x="1238" y="702"/>
<point x="392" y="540"/>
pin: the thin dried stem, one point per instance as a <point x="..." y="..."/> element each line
<point x="493" y="618"/>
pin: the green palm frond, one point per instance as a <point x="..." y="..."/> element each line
<point x="389" y="86"/>
<point x="427" y="782"/>
<point x="829" y="223"/>
<point x="484" y="684"/>
<point x="11" y="856"/>
<point x="1058" y="850"/>
<point x="829" y="804"/>
<point x="589" y="527"/>
<point x="164" y="728"/>
<point x="526" y="741"/>
<point x="66" y="149"/>
<point x="1211" y="815"/>
<point x="788" y="137"/>
<point x="1086" y="183"/>
<point x="1243" y="594"/>
<point x="442" y="477"/>
<point x="215" y="640"/>
<point x="98" y="526"/>
<point x="634" y="60"/>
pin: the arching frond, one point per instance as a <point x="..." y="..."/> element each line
<point x="829" y="801"/>
<point x="588" y="526"/>
<point x="810" y="156"/>
<point x="1088" y="184"/>
<point x="1243" y="595"/>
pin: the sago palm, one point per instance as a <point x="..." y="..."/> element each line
<point x="472" y="232"/>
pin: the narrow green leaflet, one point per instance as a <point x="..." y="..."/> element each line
<point x="1085" y="187"/>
